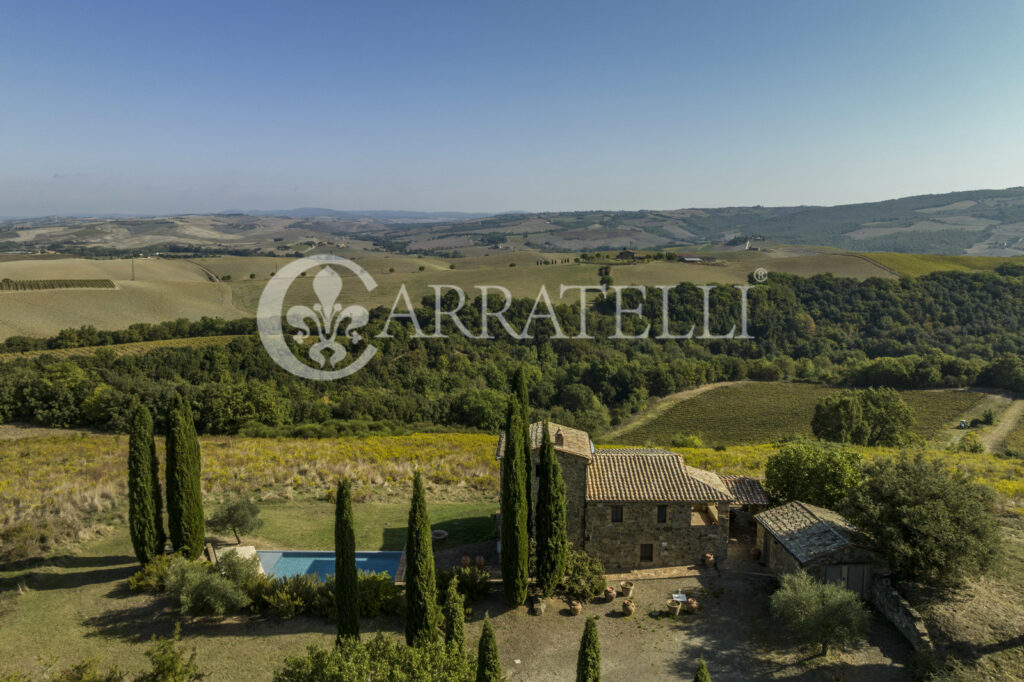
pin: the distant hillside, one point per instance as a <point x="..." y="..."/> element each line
<point x="976" y="223"/>
<point x="981" y="222"/>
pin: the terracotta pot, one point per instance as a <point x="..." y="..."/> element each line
<point x="627" y="588"/>
<point x="575" y="607"/>
<point x="691" y="605"/>
<point x="609" y="594"/>
<point x="755" y="553"/>
<point x="674" y="607"/>
<point x="628" y="607"/>
<point x="480" y="561"/>
<point x="709" y="559"/>
<point x="466" y="561"/>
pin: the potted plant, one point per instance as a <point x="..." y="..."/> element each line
<point x="609" y="594"/>
<point x="691" y="605"/>
<point x="674" y="606"/>
<point x="466" y="561"/>
<point x="627" y="588"/>
<point x="709" y="559"/>
<point x="575" y="607"/>
<point x="628" y="607"/>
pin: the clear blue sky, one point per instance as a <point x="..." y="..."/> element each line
<point x="483" y="106"/>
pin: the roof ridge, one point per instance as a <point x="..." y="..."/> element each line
<point x="826" y="522"/>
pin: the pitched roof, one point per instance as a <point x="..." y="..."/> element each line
<point x="573" y="441"/>
<point x="805" y="530"/>
<point x="745" y="490"/>
<point x="649" y="475"/>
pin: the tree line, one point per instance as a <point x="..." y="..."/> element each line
<point x="941" y="330"/>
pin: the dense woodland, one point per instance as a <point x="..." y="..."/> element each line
<point x="941" y="330"/>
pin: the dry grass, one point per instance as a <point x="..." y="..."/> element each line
<point x="137" y="348"/>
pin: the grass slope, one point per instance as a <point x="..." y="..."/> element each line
<point x="761" y="412"/>
<point x="915" y="264"/>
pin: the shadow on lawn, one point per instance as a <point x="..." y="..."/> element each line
<point x="68" y="581"/>
<point x="463" y="531"/>
<point x="68" y="561"/>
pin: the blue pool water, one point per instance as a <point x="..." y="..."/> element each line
<point x="288" y="563"/>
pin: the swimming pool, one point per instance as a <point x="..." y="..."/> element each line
<point x="288" y="563"/>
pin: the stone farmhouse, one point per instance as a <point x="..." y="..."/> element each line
<point x="641" y="507"/>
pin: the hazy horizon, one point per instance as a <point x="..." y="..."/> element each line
<point x="198" y="108"/>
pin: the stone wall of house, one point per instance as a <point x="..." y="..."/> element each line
<point x="574" y="473"/>
<point x="900" y="613"/>
<point x="675" y="542"/>
<point x="778" y="558"/>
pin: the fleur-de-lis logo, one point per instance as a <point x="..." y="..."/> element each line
<point x="327" y="316"/>
<point x="325" y="321"/>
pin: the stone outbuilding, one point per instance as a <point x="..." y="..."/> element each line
<point x="799" y="536"/>
<point x="636" y="507"/>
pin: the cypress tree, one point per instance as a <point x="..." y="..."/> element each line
<point x="186" y="520"/>
<point x="455" y="618"/>
<point x="552" y="542"/>
<point x="523" y="394"/>
<point x="422" y="617"/>
<point x="158" y="498"/>
<point x="346" y="578"/>
<point x="588" y="663"/>
<point x="142" y="520"/>
<point x="702" y="672"/>
<point x="515" y="543"/>
<point x="488" y="665"/>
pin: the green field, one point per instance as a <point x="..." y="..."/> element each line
<point x="762" y="412"/>
<point x="915" y="264"/>
<point x="119" y="349"/>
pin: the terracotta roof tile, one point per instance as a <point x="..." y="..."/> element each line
<point x="807" y="531"/>
<point x="648" y="475"/>
<point x="745" y="490"/>
<point x="573" y="441"/>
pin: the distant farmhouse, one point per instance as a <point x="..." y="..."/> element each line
<point x="642" y="507"/>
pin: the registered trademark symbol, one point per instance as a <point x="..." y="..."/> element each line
<point x="760" y="275"/>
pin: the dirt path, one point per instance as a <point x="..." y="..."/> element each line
<point x="660" y="406"/>
<point x="994" y="437"/>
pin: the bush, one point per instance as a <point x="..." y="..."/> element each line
<point x="200" y="591"/>
<point x="378" y="595"/>
<point x="283" y="603"/>
<point x="378" y="659"/>
<point x="816" y="614"/>
<point x="239" y="571"/>
<point x="817" y="473"/>
<point x="688" y="441"/>
<point x="969" y="443"/>
<point x="474" y="582"/>
<point x="152" y="577"/>
<point x="584" y="575"/>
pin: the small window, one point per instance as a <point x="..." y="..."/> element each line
<point x="617" y="514"/>
<point x="646" y="552"/>
<point x="662" y="513"/>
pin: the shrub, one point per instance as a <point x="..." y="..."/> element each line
<point x="378" y="595"/>
<point x="152" y="577"/>
<point x="687" y="441"/>
<point x="474" y="582"/>
<point x="819" y="614"/>
<point x="240" y="571"/>
<point x="284" y="604"/>
<point x="969" y="443"/>
<point x="200" y="591"/>
<point x="377" y="659"/>
<point x="817" y="473"/>
<point x="584" y="575"/>
<point x="169" y="663"/>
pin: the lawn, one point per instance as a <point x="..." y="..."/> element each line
<point x="754" y="412"/>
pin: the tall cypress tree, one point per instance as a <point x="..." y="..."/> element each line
<point x="702" y="672"/>
<point x="158" y="498"/>
<point x="346" y="578"/>
<point x="488" y="664"/>
<point x="523" y="394"/>
<point x="515" y="543"/>
<point x="552" y="542"/>
<point x="422" y="617"/>
<point x="142" y="520"/>
<point x="588" y="663"/>
<point x="186" y="520"/>
<point x="455" y="618"/>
